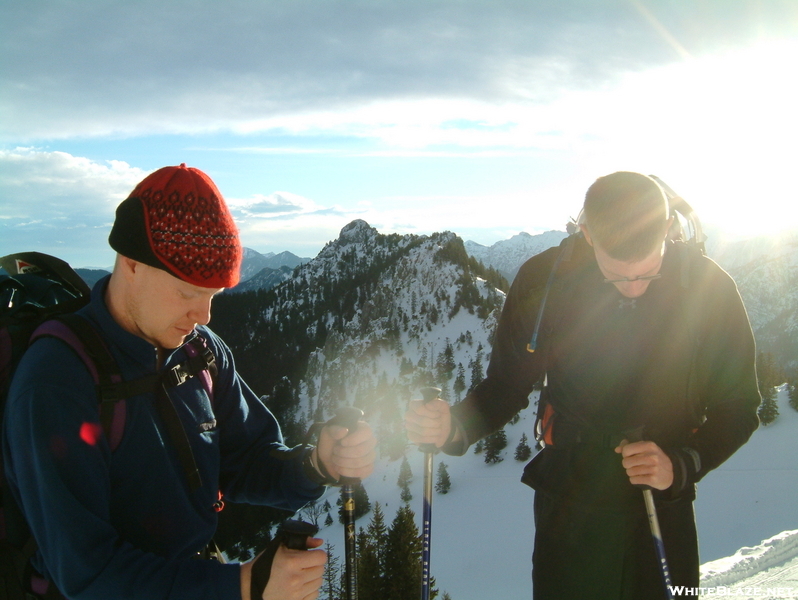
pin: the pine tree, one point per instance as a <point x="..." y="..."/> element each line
<point x="368" y="568"/>
<point x="405" y="476"/>
<point x="768" y="410"/>
<point x="477" y="372"/>
<point x="403" y="557"/>
<point x="371" y="556"/>
<point x="494" y="444"/>
<point x="522" y="451"/>
<point x="769" y="377"/>
<point x="443" y="484"/>
<point x="459" y="383"/>
<point x="792" y="388"/>
<point x="331" y="588"/>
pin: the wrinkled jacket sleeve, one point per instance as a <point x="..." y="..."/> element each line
<point x="513" y="370"/>
<point x="256" y="466"/>
<point x="725" y="378"/>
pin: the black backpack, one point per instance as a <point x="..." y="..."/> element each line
<point x="38" y="298"/>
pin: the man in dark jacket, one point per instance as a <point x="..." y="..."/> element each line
<point x="128" y="519"/>
<point x="648" y="364"/>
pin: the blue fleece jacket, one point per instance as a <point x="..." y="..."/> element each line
<point x="125" y="524"/>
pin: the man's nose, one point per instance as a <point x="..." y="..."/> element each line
<point x="201" y="312"/>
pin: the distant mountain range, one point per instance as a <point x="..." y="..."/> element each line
<point x="264" y="271"/>
<point x="254" y="262"/>
<point x="258" y="271"/>
<point x="507" y="256"/>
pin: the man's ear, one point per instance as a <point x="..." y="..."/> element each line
<point x="127" y="267"/>
<point x="668" y="226"/>
<point x="585" y="232"/>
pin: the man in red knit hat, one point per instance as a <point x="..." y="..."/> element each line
<point x="128" y="518"/>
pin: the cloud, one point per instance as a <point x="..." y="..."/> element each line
<point x="97" y="68"/>
<point x="54" y="202"/>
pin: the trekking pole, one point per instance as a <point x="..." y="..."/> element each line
<point x="429" y="394"/>
<point x="656" y="534"/>
<point x="348" y="416"/>
<point x="653" y="523"/>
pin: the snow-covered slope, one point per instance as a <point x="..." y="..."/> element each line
<point x="771" y="567"/>
<point x="482" y="530"/>
<point x="752" y="496"/>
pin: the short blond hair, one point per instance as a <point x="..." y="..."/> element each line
<point x="626" y="214"/>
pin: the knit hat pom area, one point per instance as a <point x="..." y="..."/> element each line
<point x="177" y="220"/>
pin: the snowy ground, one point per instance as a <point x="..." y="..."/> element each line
<point x="769" y="570"/>
<point x="482" y="530"/>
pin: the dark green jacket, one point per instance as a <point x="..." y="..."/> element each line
<point x="677" y="363"/>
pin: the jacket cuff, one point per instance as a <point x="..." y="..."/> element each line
<point x="317" y="474"/>
<point x="460" y="447"/>
<point x="686" y="465"/>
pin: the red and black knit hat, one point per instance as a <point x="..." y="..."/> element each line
<point x="177" y="220"/>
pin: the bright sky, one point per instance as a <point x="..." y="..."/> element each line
<point x="482" y="117"/>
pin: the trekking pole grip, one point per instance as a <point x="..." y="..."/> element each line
<point x="294" y="535"/>
<point x="346" y="416"/>
<point x="428" y="394"/>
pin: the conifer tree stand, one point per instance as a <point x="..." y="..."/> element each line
<point x="428" y="394"/>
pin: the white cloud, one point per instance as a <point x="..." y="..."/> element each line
<point x="98" y="68"/>
<point x="60" y="204"/>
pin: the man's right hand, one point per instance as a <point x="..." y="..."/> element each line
<point x="295" y="574"/>
<point x="428" y="422"/>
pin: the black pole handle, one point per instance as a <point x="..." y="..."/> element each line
<point x="430" y="393"/>
<point x="346" y="416"/>
<point x="294" y="535"/>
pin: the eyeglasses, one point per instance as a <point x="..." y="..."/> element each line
<point x="627" y="280"/>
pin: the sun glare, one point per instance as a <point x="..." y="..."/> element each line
<point x="720" y="130"/>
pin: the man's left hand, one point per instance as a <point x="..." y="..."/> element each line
<point x="646" y="464"/>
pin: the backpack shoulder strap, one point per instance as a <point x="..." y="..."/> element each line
<point x="564" y="255"/>
<point x="85" y="341"/>
<point x="202" y="363"/>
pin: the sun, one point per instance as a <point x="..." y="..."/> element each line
<point x="721" y="130"/>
